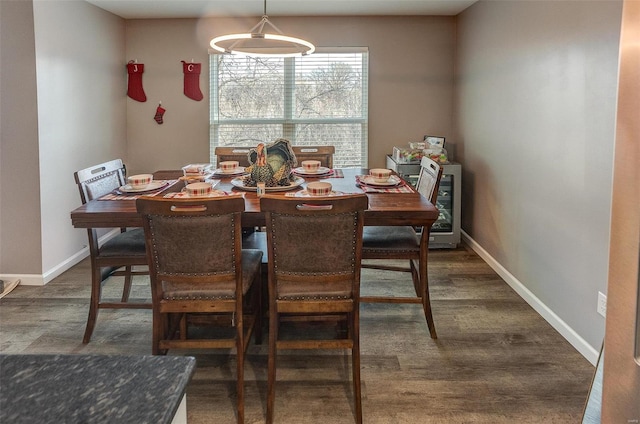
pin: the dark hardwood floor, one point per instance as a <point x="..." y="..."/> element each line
<point x="495" y="360"/>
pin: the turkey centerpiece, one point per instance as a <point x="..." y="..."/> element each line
<point x="271" y="164"/>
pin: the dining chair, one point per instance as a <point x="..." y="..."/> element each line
<point x="397" y="242"/>
<point x="238" y="153"/>
<point x="324" y="154"/>
<point x="201" y="276"/>
<point x="314" y="274"/>
<point x="118" y="255"/>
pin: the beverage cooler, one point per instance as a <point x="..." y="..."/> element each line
<point x="445" y="232"/>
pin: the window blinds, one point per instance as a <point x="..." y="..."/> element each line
<point x="320" y="99"/>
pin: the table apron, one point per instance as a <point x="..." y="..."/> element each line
<point x="249" y="219"/>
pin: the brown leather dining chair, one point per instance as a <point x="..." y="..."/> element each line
<point x="314" y="273"/>
<point x="324" y="154"/>
<point x="389" y="242"/>
<point x="238" y="153"/>
<point x="118" y="255"/>
<point x="201" y="276"/>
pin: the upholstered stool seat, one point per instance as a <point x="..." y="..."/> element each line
<point x="128" y="243"/>
<point x="390" y="239"/>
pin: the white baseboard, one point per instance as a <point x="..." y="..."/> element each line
<point x="42" y="279"/>
<point x="49" y="275"/>
<point x="65" y="265"/>
<point x="580" y="344"/>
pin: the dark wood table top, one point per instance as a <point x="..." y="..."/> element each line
<point x="384" y="208"/>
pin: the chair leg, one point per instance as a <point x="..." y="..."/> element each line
<point x="426" y="301"/>
<point x="258" y="311"/>
<point x="183" y="327"/>
<point x="126" y="290"/>
<point x="355" y="366"/>
<point x="271" y="372"/>
<point x="160" y="328"/>
<point x="426" y="306"/>
<point x="94" y="302"/>
<point x="415" y="277"/>
<point x="240" y="345"/>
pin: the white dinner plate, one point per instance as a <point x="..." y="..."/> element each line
<point x="238" y="170"/>
<point x="153" y="185"/>
<point x="323" y="170"/>
<point x="239" y="183"/>
<point x="392" y="181"/>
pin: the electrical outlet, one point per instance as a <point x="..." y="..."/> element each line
<point x="602" y="304"/>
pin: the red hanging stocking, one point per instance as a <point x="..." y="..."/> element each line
<point x="134" y="89"/>
<point x="192" y="80"/>
<point x="159" y="114"/>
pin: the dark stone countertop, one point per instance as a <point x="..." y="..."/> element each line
<point x="92" y="388"/>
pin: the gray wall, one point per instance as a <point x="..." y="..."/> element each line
<point x="536" y="93"/>
<point x="81" y="110"/>
<point x="20" y="237"/>
<point x="73" y="64"/>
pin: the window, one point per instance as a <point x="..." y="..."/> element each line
<point x="320" y="99"/>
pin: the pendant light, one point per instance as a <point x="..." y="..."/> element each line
<point x="259" y="43"/>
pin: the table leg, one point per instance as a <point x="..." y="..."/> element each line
<point x="424" y="281"/>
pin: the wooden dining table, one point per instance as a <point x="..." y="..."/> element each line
<point x="384" y="208"/>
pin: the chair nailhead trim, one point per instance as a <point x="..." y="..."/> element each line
<point x="199" y="297"/>
<point x="313" y="297"/>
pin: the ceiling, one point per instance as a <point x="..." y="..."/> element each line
<point x="148" y="9"/>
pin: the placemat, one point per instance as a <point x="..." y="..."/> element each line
<point x="117" y="195"/>
<point x="402" y="188"/>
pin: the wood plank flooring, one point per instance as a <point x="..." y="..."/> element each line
<point x="495" y="360"/>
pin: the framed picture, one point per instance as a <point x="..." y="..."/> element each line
<point x="434" y="141"/>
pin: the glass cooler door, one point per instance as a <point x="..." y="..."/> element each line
<point x="445" y="232"/>
<point x="444" y="203"/>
